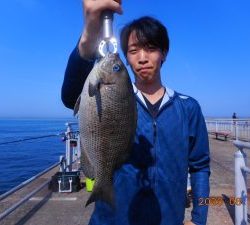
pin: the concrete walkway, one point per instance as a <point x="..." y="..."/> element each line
<point x="47" y="208"/>
<point x="221" y="182"/>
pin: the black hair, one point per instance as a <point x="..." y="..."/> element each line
<point x="149" y="31"/>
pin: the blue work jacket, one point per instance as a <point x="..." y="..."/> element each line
<point x="150" y="189"/>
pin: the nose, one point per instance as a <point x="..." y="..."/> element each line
<point x="143" y="58"/>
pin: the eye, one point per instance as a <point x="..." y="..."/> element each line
<point x="132" y="51"/>
<point x="116" y="68"/>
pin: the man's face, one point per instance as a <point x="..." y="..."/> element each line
<point x="145" y="61"/>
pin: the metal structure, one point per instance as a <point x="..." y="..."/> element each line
<point x="22" y="201"/>
<point x="23" y="184"/>
<point x="239" y="128"/>
<point x="72" y="148"/>
<point x="108" y="40"/>
<point x="72" y="154"/>
<point x="241" y="171"/>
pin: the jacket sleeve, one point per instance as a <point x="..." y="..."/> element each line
<point x="199" y="168"/>
<point x="75" y="75"/>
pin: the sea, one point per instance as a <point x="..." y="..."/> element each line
<point x="26" y="149"/>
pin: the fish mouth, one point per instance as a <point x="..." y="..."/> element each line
<point x="113" y="56"/>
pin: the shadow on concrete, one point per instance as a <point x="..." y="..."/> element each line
<point x="230" y="208"/>
<point x="33" y="210"/>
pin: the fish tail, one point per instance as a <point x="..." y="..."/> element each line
<point x="104" y="193"/>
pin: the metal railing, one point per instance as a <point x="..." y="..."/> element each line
<point x="23" y="184"/>
<point x="241" y="171"/>
<point x="72" y="153"/>
<point x="239" y="129"/>
<point x="22" y="201"/>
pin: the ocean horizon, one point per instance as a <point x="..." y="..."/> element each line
<point x="20" y="160"/>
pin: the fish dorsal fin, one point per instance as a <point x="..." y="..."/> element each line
<point x="77" y="105"/>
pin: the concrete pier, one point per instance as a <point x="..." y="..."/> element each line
<point x="47" y="208"/>
<point x="221" y="182"/>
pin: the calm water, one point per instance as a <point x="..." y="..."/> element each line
<point x="22" y="160"/>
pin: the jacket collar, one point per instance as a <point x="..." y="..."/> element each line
<point x="167" y="96"/>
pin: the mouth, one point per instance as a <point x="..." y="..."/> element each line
<point x="144" y="69"/>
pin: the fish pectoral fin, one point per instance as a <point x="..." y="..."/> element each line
<point x="77" y="105"/>
<point x="94" y="87"/>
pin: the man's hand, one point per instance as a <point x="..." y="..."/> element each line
<point x="92" y="10"/>
<point x="188" y="223"/>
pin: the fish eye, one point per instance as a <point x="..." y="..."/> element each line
<point x="116" y="68"/>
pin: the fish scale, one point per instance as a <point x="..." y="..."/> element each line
<point x="107" y="117"/>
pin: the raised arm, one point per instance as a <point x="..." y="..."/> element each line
<point x="82" y="58"/>
<point x="75" y="75"/>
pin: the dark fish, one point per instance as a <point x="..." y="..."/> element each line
<point x="107" y="122"/>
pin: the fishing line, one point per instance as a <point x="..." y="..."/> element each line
<point x="31" y="138"/>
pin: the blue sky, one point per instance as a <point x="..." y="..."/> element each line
<point x="209" y="56"/>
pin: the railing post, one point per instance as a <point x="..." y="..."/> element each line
<point x="232" y="128"/>
<point x="68" y="148"/>
<point x="240" y="187"/>
<point x="236" y="130"/>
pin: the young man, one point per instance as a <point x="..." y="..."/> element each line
<point x="171" y="137"/>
